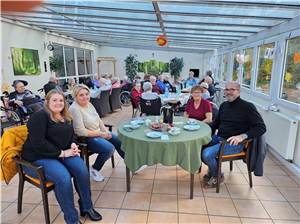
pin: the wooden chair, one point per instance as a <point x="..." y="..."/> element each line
<point x="40" y="182"/>
<point x="86" y="153"/>
<point x="244" y="155"/>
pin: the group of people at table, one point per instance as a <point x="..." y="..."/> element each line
<point x="51" y="141"/>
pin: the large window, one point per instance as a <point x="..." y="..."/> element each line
<point x="80" y="61"/>
<point x="225" y="66"/>
<point x="57" y="61"/>
<point x="265" y="63"/>
<point x="88" y="61"/>
<point x="70" y="61"/>
<point x="247" y="61"/>
<point x="291" y="77"/>
<point x="235" y="70"/>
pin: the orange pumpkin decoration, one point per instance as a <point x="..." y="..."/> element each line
<point x="19" y="6"/>
<point x="161" y="40"/>
<point x="296" y="58"/>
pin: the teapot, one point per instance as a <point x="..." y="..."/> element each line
<point x="167" y="113"/>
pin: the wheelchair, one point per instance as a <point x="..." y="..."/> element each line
<point x="125" y="95"/>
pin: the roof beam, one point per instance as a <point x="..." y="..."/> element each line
<point x="159" y="18"/>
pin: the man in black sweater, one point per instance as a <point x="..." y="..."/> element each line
<point x="237" y="120"/>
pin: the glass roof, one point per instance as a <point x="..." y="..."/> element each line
<point x="190" y="26"/>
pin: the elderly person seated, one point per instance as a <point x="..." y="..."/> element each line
<point x="211" y="88"/>
<point x="197" y="107"/>
<point x="87" y="123"/>
<point x="24" y="98"/>
<point x="191" y="81"/>
<point x="52" y="84"/>
<point x="237" y="120"/>
<point x="160" y="83"/>
<point x="70" y="85"/>
<point x="148" y="94"/>
<point x="115" y="82"/>
<point x="168" y="85"/>
<point x="136" y="94"/>
<point x="155" y="88"/>
<point x="205" y="94"/>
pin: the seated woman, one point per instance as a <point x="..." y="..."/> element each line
<point x="50" y="144"/>
<point x="136" y="94"/>
<point x="197" y="107"/>
<point x="86" y="122"/>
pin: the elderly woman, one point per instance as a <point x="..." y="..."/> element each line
<point x="87" y="123"/>
<point x="148" y="94"/>
<point x="50" y="144"/>
<point x="136" y="94"/>
<point x="197" y="107"/>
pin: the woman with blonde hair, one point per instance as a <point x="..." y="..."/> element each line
<point x="197" y="107"/>
<point x="87" y="123"/>
<point x="50" y="144"/>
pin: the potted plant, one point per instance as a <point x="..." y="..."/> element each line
<point x="131" y="65"/>
<point x="56" y="63"/>
<point x="176" y="65"/>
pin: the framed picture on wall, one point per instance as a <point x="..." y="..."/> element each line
<point x="25" y="61"/>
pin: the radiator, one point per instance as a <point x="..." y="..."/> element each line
<point x="281" y="133"/>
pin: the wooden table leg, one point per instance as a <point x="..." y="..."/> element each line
<point x="192" y="186"/>
<point x="128" y="179"/>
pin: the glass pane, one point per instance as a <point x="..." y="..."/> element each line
<point x="291" y="80"/>
<point x="219" y="74"/>
<point x="88" y="61"/>
<point x="235" y="73"/>
<point x="80" y="61"/>
<point x="225" y="66"/>
<point x="70" y="62"/>
<point x="58" y="61"/>
<point x="247" y="59"/>
<point x="265" y="63"/>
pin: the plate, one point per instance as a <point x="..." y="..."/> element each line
<point x="191" y="127"/>
<point x="174" y="131"/>
<point x="131" y="126"/>
<point x="154" y="134"/>
<point x="192" y="121"/>
<point x="137" y="122"/>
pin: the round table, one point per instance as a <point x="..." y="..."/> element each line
<point x="183" y="150"/>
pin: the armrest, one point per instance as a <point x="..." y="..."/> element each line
<point x="37" y="169"/>
<point x="246" y="144"/>
<point x="109" y="126"/>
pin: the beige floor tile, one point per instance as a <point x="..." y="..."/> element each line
<point x="250" y="209"/>
<point x="241" y="191"/>
<point x="165" y="174"/>
<point x="147" y="174"/>
<point x="106" y="171"/>
<point x="268" y="193"/>
<point x="183" y="175"/>
<point x="223" y="220"/>
<point x="280" y="210"/>
<point x="161" y="202"/>
<point x="255" y="221"/>
<point x="259" y="181"/>
<point x="192" y="218"/>
<point x="138" y="185"/>
<point x="110" y="199"/>
<point x="285" y="222"/>
<point x="296" y="179"/>
<point x="37" y="215"/>
<point x="9" y="193"/>
<point x="162" y="217"/>
<point x="211" y="192"/>
<point x="115" y="184"/>
<point x="235" y="178"/>
<point x="269" y="161"/>
<point x="296" y="206"/>
<point x="128" y="216"/>
<point x="195" y="205"/>
<point x="287" y="170"/>
<point x="4" y="205"/>
<point x="291" y="194"/>
<point x="282" y="181"/>
<point x="184" y="188"/>
<point x="32" y="195"/>
<point x="235" y="168"/>
<point x="165" y="187"/>
<point x="109" y="216"/>
<point x="119" y="172"/>
<point x="60" y="219"/>
<point x="98" y="186"/>
<point x="139" y="201"/>
<point x="52" y="199"/>
<point x="220" y="207"/>
<point x="10" y="214"/>
<point x="273" y="170"/>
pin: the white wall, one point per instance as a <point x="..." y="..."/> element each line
<point x="21" y="36"/>
<point x="190" y="60"/>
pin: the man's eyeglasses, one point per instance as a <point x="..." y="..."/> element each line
<point x="231" y="89"/>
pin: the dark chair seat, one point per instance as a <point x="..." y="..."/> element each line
<point x="114" y="99"/>
<point x="101" y="103"/>
<point x="150" y="107"/>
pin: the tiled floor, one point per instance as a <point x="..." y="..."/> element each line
<point x="160" y="194"/>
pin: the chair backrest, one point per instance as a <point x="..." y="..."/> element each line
<point x="215" y="110"/>
<point x="150" y="107"/>
<point x="114" y="98"/>
<point x="101" y="104"/>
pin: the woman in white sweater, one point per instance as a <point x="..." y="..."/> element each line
<point x="87" y="123"/>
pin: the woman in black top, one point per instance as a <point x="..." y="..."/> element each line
<point x="50" y="144"/>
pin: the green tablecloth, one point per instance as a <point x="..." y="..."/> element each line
<point x="183" y="149"/>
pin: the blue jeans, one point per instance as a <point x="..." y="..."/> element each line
<point x="211" y="151"/>
<point x="104" y="148"/>
<point x="60" y="171"/>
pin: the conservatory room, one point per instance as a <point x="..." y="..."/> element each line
<point x="150" y="111"/>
